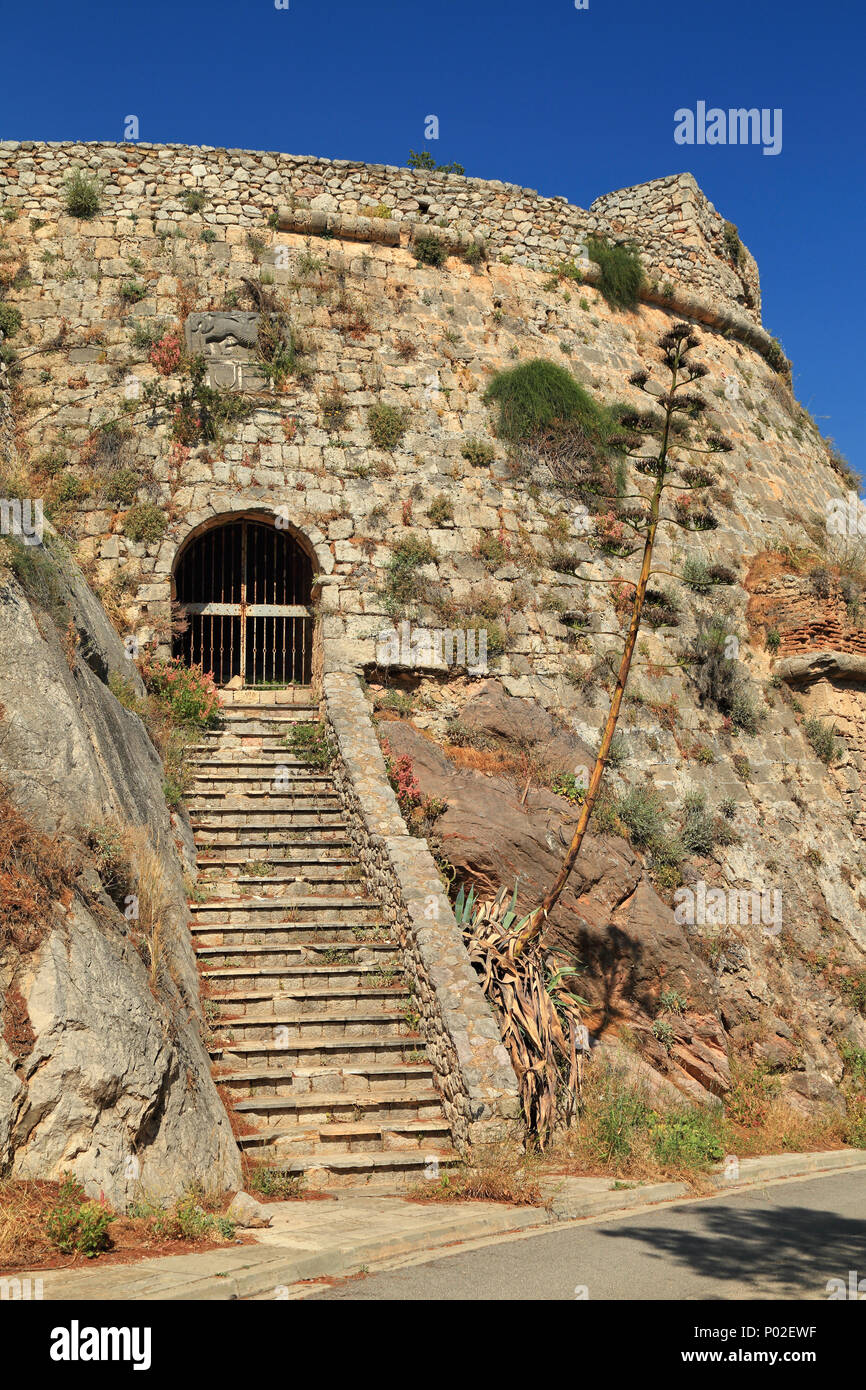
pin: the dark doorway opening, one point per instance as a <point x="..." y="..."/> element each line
<point x="245" y="588"/>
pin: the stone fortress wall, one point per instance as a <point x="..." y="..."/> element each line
<point x="681" y="236"/>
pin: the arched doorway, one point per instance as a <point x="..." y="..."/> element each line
<point x="245" y="589"/>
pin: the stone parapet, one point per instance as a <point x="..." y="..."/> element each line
<point x="473" y="1072"/>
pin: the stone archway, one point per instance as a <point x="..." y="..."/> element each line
<point x="244" y="586"/>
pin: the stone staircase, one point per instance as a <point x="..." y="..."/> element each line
<point x="315" y="1046"/>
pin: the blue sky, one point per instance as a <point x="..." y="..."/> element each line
<point x="573" y="102"/>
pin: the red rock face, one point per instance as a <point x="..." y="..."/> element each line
<point x="610" y="919"/>
<point x="810" y="612"/>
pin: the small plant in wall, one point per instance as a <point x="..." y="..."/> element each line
<point x="387" y="425"/>
<point x="81" y="195"/>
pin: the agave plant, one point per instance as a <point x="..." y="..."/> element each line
<point x="539" y="1016"/>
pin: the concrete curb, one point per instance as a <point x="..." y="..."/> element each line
<point x="271" y="1270"/>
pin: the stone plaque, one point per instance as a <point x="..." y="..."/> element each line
<point x="228" y="340"/>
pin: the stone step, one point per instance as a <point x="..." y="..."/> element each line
<point x="257" y="818"/>
<point x="385" y="1171"/>
<point x="250" y="784"/>
<point x="269" y="798"/>
<point x="242" y="954"/>
<point x="364" y="1050"/>
<point x="329" y="869"/>
<point x="240" y="911"/>
<point x="296" y="1022"/>
<point x="225" y="979"/>
<point x="292" y="693"/>
<point x="293" y="1000"/>
<point x="302" y="853"/>
<point x="226" y="774"/>
<point x="311" y="1135"/>
<point x="216" y="881"/>
<point x="316" y="877"/>
<point x="289" y="934"/>
<point x="334" y="1109"/>
<point x="366" y="1080"/>
<point x="251" y="838"/>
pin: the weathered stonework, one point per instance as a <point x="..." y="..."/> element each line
<point x="473" y="1072"/>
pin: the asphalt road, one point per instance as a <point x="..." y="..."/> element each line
<point x="784" y="1241"/>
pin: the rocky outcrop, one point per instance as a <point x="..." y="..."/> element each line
<point x="103" y="1073"/>
<point x="715" y="996"/>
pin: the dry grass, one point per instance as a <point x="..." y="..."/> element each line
<point x="496" y="1173"/>
<point x="35" y="870"/>
<point x="27" y="1206"/>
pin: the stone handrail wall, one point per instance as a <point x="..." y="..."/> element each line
<point x="473" y="1072"/>
<point x="678" y="231"/>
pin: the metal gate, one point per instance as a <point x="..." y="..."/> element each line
<point x="245" y="589"/>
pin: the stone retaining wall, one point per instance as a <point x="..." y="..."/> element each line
<point x="473" y="1072"/>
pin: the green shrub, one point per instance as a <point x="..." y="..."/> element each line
<point x="132" y="291"/>
<point x="696" y="574"/>
<point x="440" y="509"/>
<point x="185" y="693"/>
<point x="208" y="235"/>
<point x="273" y="1182"/>
<point x="145" y="523"/>
<point x="310" y="742"/>
<point x="81" y="195"/>
<point x="387" y="425"/>
<point x="478" y="452"/>
<point x="10" y="320"/>
<point x="733" y="245"/>
<point x="621" y="272"/>
<point x="146" y="333"/>
<point x="775" y="356"/>
<point x="76" y="1226"/>
<point x="698" y="832"/>
<point x="402" y="586"/>
<point x="823" y="739"/>
<point x="691" y="1138"/>
<point x="640" y="812"/>
<point x="539" y="393"/>
<point x="194" y="199"/>
<point x="773" y="639"/>
<point x="429" y="249"/>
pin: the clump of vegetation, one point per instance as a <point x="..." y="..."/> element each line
<point x="132" y="291"/>
<point x="733" y="245"/>
<point x="538" y="395"/>
<point x="440" y="510"/>
<point x="187" y="693"/>
<point x="718" y="678"/>
<point x="194" y="200"/>
<point x="76" y="1226"/>
<point x="387" y="425"/>
<point x="621" y="272"/>
<point x="144" y="523"/>
<point x="478" y="452"/>
<point x="402" y="587"/>
<point x="823" y="739"/>
<point x="81" y="195"/>
<point x="423" y="159"/>
<point x="199" y="412"/>
<point x="332" y="404"/>
<point x="10" y="320"/>
<point x="429" y="249"/>
<point x="310" y="742"/>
